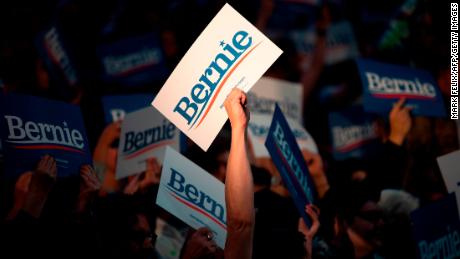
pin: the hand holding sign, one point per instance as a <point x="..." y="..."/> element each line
<point x="400" y="122"/>
<point x="235" y="105"/>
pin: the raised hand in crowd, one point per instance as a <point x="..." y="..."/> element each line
<point x="400" y="122"/>
<point x="141" y="182"/>
<point x="21" y="188"/>
<point x="200" y="244"/>
<point x="108" y="136"/>
<point x="239" y="187"/>
<point x="41" y="184"/>
<point x="310" y="232"/>
<point x="265" y="12"/>
<point x="89" y="187"/>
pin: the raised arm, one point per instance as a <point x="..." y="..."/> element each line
<point x="239" y="193"/>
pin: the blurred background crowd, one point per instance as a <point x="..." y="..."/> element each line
<point x="364" y="202"/>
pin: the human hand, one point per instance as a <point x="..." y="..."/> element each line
<point x="111" y="133"/>
<point x="199" y="245"/>
<point x="400" y="122"/>
<point x="41" y="183"/>
<point x="21" y="188"/>
<point x="313" y="212"/>
<point x="237" y="112"/>
<point x="89" y="187"/>
<point x="152" y="173"/>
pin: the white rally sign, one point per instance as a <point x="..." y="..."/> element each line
<point x="229" y="53"/>
<point x="193" y="195"/>
<point x="267" y="91"/>
<point x="144" y="134"/>
<point x="448" y="164"/>
<point x="259" y="125"/>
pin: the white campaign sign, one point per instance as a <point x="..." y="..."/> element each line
<point x="144" y="134"/>
<point x="193" y="195"/>
<point x="267" y="91"/>
<point x="448" y="164"/>
<point x="229" y="53"/>
<point x="259" y="124"/>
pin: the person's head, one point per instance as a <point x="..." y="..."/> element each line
<point x="361" y="215"/>
<point x="351" y="217"/>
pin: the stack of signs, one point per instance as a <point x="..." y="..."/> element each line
<point x="133" y="61"/>
<point x="436" y="229"/>
<point x="268" y="91"/>
<point x="340" y="43"/>
<point x="384" y="84"/>
<point x="32" y="127"/>
<point x="258" y="131"/>
<point x="229" y="53"/>
<point x="193" y="195"/>
<point x="285" y="153"/>
<point x="448" y="164"/>
<point x="57" y="59"/>
<point x="117" y="106"/>
<point x="144" y="134"/>
<point x="353" y="132"/>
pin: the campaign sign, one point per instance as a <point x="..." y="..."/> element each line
<point x="133" y="61"/>
<point x="384" y="84"/>
<point x="286" y="154"/>
<point x="268" y="91"/>
<point x="117" y="106"/>
<point x="353" y="133"/>
<point x="193" y="195"/>
<point x="229" y="53"/>
<point x="448" y="164"/>
<point x="144" y="134"/>
<point x="56" y="56"/>
<point x="340" y="43"/>
<point x="436" y="229"/>
<point x="259" y="124"/>
<point x="32" y="127"/>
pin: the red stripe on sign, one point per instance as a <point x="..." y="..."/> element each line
<point x="49" y="147"/>
<point x="148" y="148"/>
<point x="223" y="82"/>
<point x="354" y="145"/>
<point x="397" y="96"/>
<point x="194" y="207"/>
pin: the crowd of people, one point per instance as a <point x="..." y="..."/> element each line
<point x="363" y="204"/>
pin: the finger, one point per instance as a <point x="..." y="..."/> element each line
<point x="315" y="208"/>
<point x="399" y="104"/>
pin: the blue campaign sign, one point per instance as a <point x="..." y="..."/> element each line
<point x="282" y="146"/>
<point x="31" y="127"/>
<point x="383" y="84"/>
<point x="436" y="229"/>
<point x="57" y="59"/>
<point x="353" y="133"/>
<point x="133" y="61"/>
<point x="117" y="106"/>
